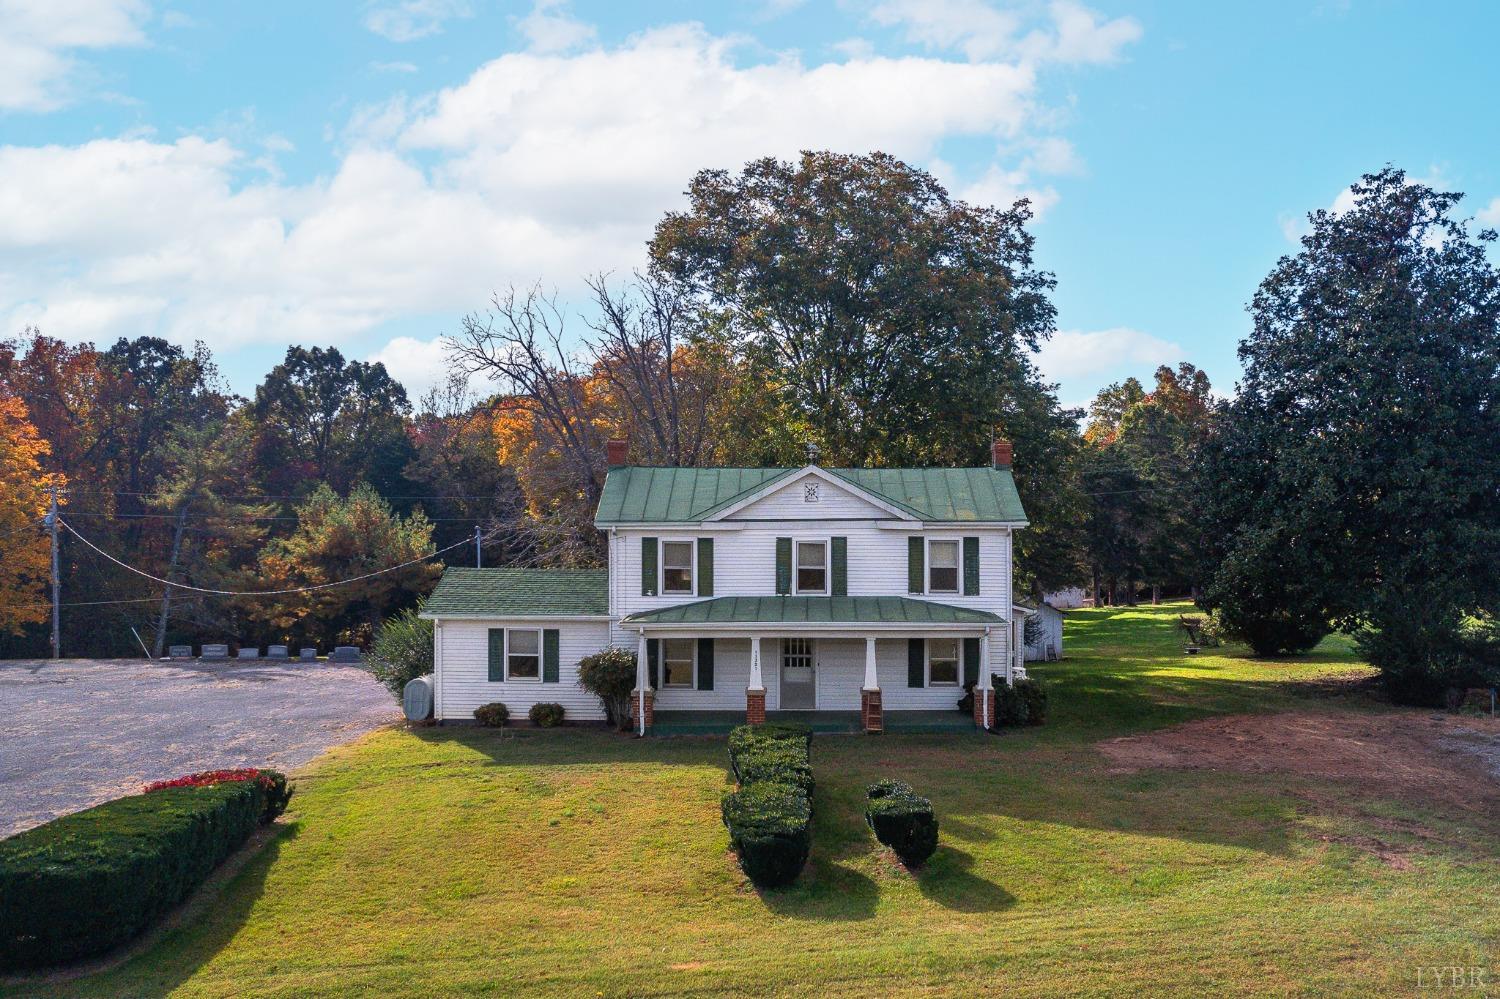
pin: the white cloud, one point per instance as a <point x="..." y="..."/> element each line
<point x="417" y="364"/>
<point x="980" y="30"/>
<point x="1491" y="214"/>
<point x="541" y="166"/>
<point x="37" y="38"/>
<point x="550" y="28"/>
<point x="410" y="20"/>
<point x="1074" y="354"/>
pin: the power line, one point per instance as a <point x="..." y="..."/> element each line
<point x="255" y="593"/>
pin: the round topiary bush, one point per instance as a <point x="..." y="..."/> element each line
<point x="493" y="714"/>
<point x="610" y="676"/>
<point x="547" y="715"/>
<point x="903" y="821"/>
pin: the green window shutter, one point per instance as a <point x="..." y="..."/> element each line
<point x="653" y="662"/>
<point x="783" y="566"/>
<point x="838" y="550"/>
<point x="648" y="567"/>
<point x="971" y="662"/>
<point x="497" y="655"/>
<point x="705" y="567"/>
<point x="971" y="567"/>
<point x="916" y="573"/>
<point x="916" y="662"/>
<point x="705" y="664"/>
<point x="549" y="655"/>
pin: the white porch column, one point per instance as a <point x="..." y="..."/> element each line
<point x="871" y="681"/>
<point x="984" y="661"/>
<point x="755" y="679"/>
<point x="641" y="684"/>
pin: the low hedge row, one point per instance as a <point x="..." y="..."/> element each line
<point x="902" y="820"/>
<point x="83" y="884"/>
<point x="770" y="817"/>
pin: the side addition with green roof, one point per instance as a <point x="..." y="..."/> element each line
<point x="513" y="593"/>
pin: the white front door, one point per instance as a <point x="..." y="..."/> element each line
<point x="799" y="675"/>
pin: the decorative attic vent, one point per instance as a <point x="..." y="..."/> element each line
<point x="809" y="492"/>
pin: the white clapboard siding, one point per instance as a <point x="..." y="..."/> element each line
<point x="463" y="670"/>
<point x="731" y="677"/>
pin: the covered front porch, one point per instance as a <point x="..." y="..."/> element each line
<point x="687" y="722"/>
<point x="864" y="664"/>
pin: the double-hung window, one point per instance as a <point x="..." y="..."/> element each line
<point x="812" y="567"/>
<point x="677" y="567"/>
<point x="942" y="662"/>
<point x="523" y="655"/>
<point x="942" y="567"/>
<point x="677" y="662"/>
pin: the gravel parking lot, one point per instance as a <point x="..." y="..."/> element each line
<point x="76" y="732"/>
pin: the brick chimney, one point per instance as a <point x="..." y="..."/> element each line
<point x="615" y="453"/>
<point x="1001" y="452"/>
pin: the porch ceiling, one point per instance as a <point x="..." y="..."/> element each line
<point x="891" y="612"/>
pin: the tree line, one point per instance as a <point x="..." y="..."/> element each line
<point x="844" y="306"/>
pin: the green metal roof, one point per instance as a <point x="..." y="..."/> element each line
<point x="637" y="494"/>
<point x="825" y="610"/>
<point x="466" y="592"/>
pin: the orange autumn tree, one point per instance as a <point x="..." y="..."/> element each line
<point x="24" y="552"/>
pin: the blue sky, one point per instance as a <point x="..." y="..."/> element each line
<point x="363" y="174"/>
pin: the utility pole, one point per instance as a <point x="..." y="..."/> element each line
<point x="478" y="551"/>
<point x="56" y="574"/>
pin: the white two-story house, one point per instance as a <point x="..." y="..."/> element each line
<point x="865" y="592"/>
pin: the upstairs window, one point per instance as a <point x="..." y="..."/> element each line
<point x="812" y="567"/>
<point x="942" y="567"/>
<point x="523" y="660"/>
<point x="677" y="661"/>
<point x="677" y="567"/>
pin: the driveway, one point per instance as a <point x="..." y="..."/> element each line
<point x="76" y="732"/>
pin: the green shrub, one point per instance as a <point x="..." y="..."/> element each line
<point x="610" y="676"/>
<point x="888" y="787"/>
<point x="770" y="827"/>
<point x="777" y="734"/>
<point x="547" y="715"/>
<point x="776" y="762"/>
<point x="1023" y="702"/>
<point x="493" y="714"/>
<point x="902" y="821"/>
<point x="88" y="882"/>
<point x="401" y="651"/>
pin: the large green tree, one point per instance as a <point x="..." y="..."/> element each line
<point x="886" y="322"/>
<point x="1356" y="476"/>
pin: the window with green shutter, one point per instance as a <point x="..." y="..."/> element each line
<point x="971" y="661"/>
<point x="971" y="567"/>
<point x="550" y="665"/>
<point x="497" y="655"/>
<point x="648" y="567"/>
<point x="705" y="567"/>
<point x="653" y="662"/>
<point x="839" y="553"/>
<point x="705" y="664"/>
<point x="916" y="662"/>
<point x="783" y="566"/>
<point x="916" y="572"/>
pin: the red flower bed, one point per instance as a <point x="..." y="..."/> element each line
<point x="208" y="778"/>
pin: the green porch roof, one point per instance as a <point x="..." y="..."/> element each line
<point x="637" y="494"/>
<point x="816" y="610"/>
<point x="467" y="592"/>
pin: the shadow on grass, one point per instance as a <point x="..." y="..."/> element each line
<point x="949" y="880"/>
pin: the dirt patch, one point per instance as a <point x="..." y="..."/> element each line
<point x="1428" y="754"/>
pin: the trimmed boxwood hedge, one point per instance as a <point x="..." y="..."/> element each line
<point x="83" y="884"/>
<point x="770" y="816"/>
<point x="902" y="820"/>
<point x="770" y="827"/>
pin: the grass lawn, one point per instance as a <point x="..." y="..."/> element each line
<point x="455" y="861"/>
